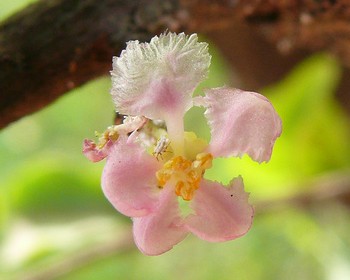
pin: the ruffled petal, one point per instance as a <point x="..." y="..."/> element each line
<point x="128" y="179"/>
<point x="156" y="79"/>
<point x="221" y="213"/>
<point x="241" y="122"/>
<point x="159" y="232"/>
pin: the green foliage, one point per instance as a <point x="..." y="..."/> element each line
<point x="44" y="173"/>
<point x="60" y="188"/>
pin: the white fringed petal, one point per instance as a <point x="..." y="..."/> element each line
<point x="157" y="78"/>
<point x="241" y="122"/>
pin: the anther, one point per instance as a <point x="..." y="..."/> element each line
<point x="185" y="174"/>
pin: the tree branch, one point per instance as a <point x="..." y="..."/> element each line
<point x="327" y="188"/>
<point x="83" y="258"/>
<point x="56" y="45"/>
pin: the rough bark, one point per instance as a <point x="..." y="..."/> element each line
<point x="56" y="45"/>
<point x="262" y="39"/>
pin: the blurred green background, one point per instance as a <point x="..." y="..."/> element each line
<point x="56" y="224"/>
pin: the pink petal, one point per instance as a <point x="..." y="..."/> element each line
<point x="152" y="78"/>
<point x="160" y="231"/>
<point x="128" y="179"/>
<point x="160" y="99"/>
<point x="241" y="122"/>
<point x="93" y="153"/>
<point x="130" y="124"/>
<point x="221" y="213"/>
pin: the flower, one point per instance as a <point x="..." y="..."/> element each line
<point x="155" y="175"/>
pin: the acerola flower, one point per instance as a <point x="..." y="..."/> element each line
<point x="155" y="175"/>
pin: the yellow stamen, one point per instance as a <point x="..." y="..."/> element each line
<point x="109" y="134"/>
<point x="184" y="174"/>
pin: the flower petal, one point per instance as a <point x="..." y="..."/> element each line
<point x="128" y="179"/>
<point x="150" y="79"/>
<point x="241" y="122"/>
<point x="93" y="153"/>
<point x="221" y="213"/>
<point x="130" y="124"/>
<point x="160" y="231"/>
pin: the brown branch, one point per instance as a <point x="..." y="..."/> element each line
<point x="264" y="39"/>
<point x="56" y="45"/>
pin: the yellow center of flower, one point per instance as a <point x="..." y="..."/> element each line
<point x="184" y="174"/>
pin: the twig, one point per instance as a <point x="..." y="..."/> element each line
<point x="75" y="262"/>
<point x="54" y="46"/>
<point x="334" y="186"/>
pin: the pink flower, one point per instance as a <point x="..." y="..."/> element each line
<point x="155" y="175"/>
